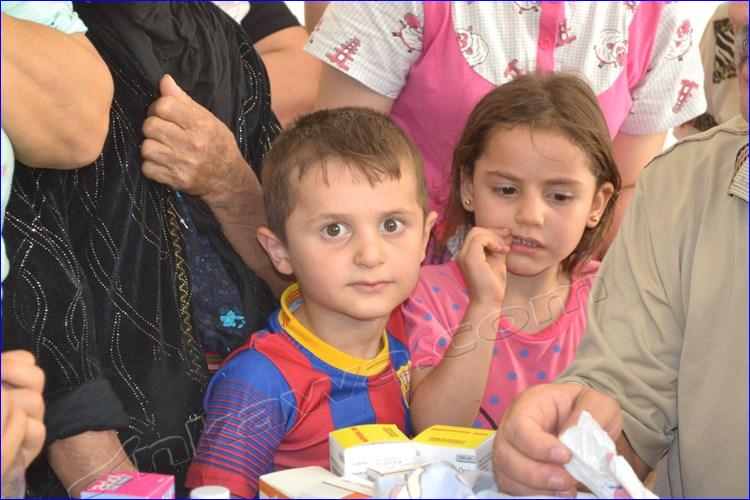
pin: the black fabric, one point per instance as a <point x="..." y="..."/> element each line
<point x="266" y="18"/>
<point x="73" y="413"/>
<point x="98" y="287"/>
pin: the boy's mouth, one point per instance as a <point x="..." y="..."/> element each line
<point x="370" y="286"/>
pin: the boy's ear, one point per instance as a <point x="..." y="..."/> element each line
<point x="467" y="192"/>
<point x="429" y="223"/>
<point x="601" y="199"/>
<point x="275" y="249"/>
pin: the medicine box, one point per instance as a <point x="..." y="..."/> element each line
<point x="311" y="482"/>
<point x="465" y="447"/>
<point x="355" y="449"/>
<point x="131" y="485"/>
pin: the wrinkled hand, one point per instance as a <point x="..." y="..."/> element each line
<point x="188" y="148"/>
<point x="528" y="457"/>
<point x="482" y="263"/>
<point x="23" y="428"/>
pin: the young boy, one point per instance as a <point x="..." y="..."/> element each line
<point x="346" y="203"/>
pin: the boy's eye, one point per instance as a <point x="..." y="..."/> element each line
<point x="334" y="230"/>
<point x="392" y="225"/>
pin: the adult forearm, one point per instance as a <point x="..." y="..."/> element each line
<point x="625" y="449"/>
<point x="56" y="94"/>
<point x="451" y="393"/>
<point x="293" y="73"/>
<point x="632" y="153"/>
<point x="240" y="212"/>
<point x="80" y="459"/>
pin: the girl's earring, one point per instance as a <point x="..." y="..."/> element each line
<point x="467" y="202"/>
<point x="594" y="219"/>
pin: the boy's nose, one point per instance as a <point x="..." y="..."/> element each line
<point x="369" y="251"/>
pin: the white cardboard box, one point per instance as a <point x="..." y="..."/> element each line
<point x="355" y="449"/>
<point x="311" y="482"/>
<point x="464" y="447"/>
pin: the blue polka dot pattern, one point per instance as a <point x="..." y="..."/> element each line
<point x="455" y="307"/>
<point x="427" y="316"/>
<point x="524" y="353"/>
<point x="512" y="376"/>
<point x="495" y="351"/>
<point x="556" y="348"/>
<point x="477" y="424"/>
<point x="442" y="342"/>
<point x="494" y="400"/>
<point x="465" y="292"/>
<point x="409" y="306"/>
<point x="435" y="288"/>
<point x="541" y="375"/>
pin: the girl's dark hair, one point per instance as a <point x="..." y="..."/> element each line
<point x="554" y="102"/>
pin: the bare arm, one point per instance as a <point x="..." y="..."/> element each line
<point x="625" y="449"/>
<point x="240" y="211"/>
<point x="313" y="13"/>
<point x="293" y="73"/>
<point x="632" y="153"/>
<point x="56" y="94"/>
<point x="458" y="375"/>
<point x="451" y="392"/>
<point x="338" y="89"/>
<point x="81" y="459"/>
<point x="190" y="150"/>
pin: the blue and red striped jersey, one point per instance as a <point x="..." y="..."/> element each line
<point x="275" y="399"/>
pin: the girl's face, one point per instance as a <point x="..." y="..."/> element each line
<point x="538" y="184"/>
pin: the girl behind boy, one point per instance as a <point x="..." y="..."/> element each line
<point x="533" y="186"/>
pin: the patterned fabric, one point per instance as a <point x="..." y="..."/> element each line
<point x="739" y="180"/>
<point x="437" y="59"/>
<point x="720" y="84"/>
<point x="436" y="309"/>
<point x="100" y="288"/>
<point x="218" y="311"/>
<point x="274" y="401"/>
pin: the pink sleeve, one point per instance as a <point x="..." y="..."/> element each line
<point x="428" y="316"/>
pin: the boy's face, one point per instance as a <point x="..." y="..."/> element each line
<point x="355" y="248"/>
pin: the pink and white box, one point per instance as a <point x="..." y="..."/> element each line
<point x="131" y="485"/>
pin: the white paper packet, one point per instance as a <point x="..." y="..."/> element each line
<point x="596" y="463"/>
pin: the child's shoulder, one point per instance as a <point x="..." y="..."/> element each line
<point x="584" y="277"/>
<point x="435" y="274"/>
<point x="587" y="271"/>
<point x="264" y="347"/>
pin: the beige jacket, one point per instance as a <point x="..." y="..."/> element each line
<point x="668" y="326"/>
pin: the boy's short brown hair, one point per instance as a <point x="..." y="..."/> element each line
<point x="366" y="141"/>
